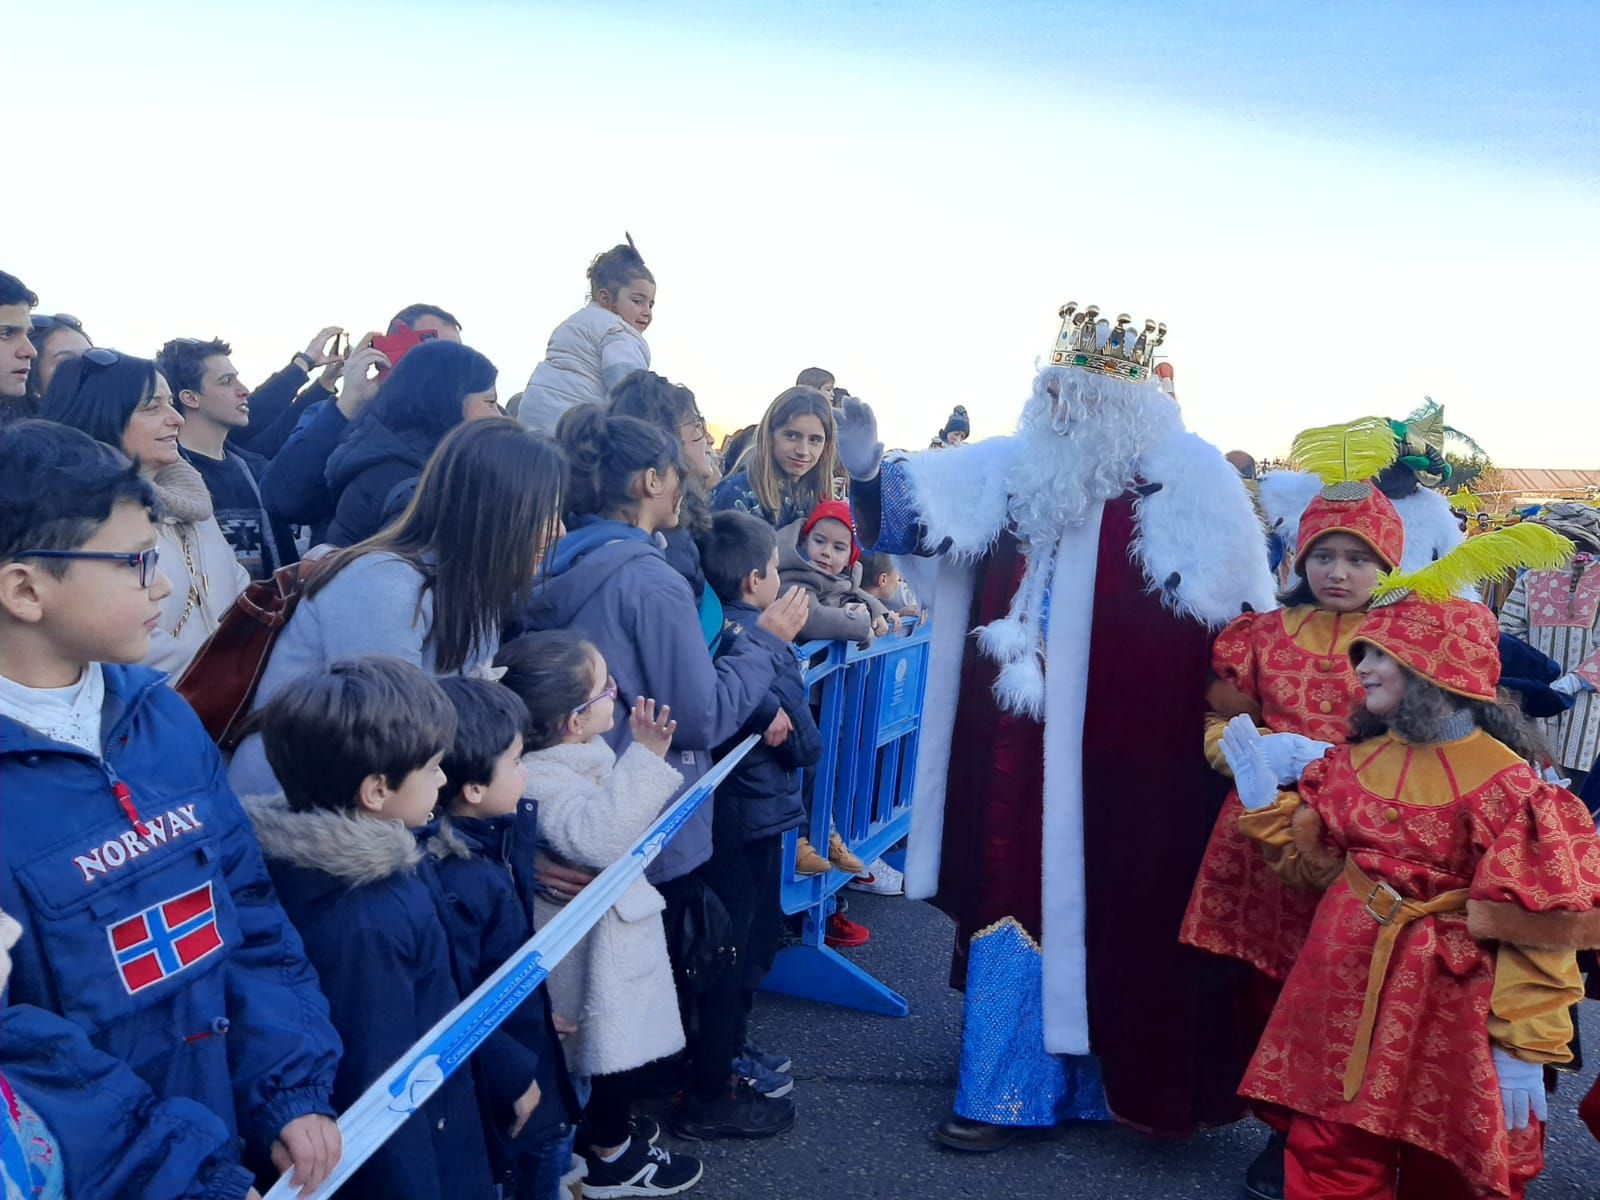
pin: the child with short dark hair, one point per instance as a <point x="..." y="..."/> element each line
<point x="152" y="924"/>
<point x="484" y="918"/>
<point x="357" y="750"/>
<point x="881" y="579"/>
<point x="821" y="556"/>
<point x="761" y="800"/>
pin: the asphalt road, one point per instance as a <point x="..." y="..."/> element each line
<point x="869" y="1089"/>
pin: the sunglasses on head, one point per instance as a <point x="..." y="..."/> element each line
<point x="45" y="325"/>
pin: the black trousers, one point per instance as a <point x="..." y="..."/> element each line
<point x="745" y="877"/>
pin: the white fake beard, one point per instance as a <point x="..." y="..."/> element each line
<point x="1059" y="472"/>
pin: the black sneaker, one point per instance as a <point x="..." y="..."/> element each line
<point x="643" y="1170"/>
<point x="739" y="1112"/>
<point x="1264" y="1178"/>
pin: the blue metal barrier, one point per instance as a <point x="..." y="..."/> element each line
<point x="871" y="723"/>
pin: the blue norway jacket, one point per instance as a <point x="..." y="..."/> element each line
<point x="113" y="1135"/>
<point x="150" y="920"/>
<point x="765" y="787"/>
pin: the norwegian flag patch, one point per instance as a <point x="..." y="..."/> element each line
<point x="165" y="938"/>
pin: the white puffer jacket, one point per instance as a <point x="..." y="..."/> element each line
<point x="197" y="560"/>
<point x="616" y="984"/>
<point x="589" y="353"/>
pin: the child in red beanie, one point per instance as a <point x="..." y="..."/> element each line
<point x="820" y="555"/>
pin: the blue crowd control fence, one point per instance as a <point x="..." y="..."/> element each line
<point x="871" y="723"/>
<point x="404" y="1087"/>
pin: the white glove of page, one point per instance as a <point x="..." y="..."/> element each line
<point x="1252" y="775"/>
<point x="1521" y="1089"/>
<point x="1289" y="754"/>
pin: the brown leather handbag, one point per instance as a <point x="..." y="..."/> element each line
<point x="221" y="682"/>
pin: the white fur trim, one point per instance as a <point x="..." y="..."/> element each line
<point x="1020" y="687"/>
<point x="1064" y="912"/>
<point x="950" y="599"/>
<point x="1005" y="640"/>
<point x="1202" y="527"/>
<point x="1432" y="530"/>
<point x="1285" y="496"/>
<point x="961" y="494"/>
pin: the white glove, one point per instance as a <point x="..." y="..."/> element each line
<point x="859" y="448"/>
<point x="1571" y="684"/>
<point x="1289" y="754"/>
<point x="1521" y="1089"/>
<point x="1551" y="775"/>
<point x="1255" y="779"/>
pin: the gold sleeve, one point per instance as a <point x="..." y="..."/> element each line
<point x="1292" y="858"/>
<point x="1216" y="725"/>
<point x="1530" y="1010"/>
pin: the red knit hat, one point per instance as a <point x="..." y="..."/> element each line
<point x="1453" y="644"/>
<point x="1360" y="510"/>
<point x="834" y="510"/>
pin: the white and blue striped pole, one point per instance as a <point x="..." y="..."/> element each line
<point x="439" y="1053"/>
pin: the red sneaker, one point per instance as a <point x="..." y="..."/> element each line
<point x="845" y="934"/>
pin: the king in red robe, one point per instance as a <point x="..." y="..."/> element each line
<point x="1063" y="799"/>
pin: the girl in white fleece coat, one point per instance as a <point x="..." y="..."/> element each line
<point x="598" y="346"/>
<point x="616" y="985"/>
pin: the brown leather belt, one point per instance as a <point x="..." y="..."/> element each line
<point x="1393" y="912"/>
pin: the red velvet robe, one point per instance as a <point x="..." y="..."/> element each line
<point x="1161" y="1015"/>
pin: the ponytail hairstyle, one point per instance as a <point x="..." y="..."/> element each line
<point x="607" y="456"/>
<point x="614" y="269"/>
<point x="767" y="479"/>
<point x="486" y="511"/>
<point x="550" y="672"/>
<point x="669" y="407"/>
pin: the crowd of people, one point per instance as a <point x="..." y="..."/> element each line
<point x="429" y="760"/>
<point x="512" y="635"/>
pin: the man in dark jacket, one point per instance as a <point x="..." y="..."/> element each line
<point x="760" y="801"/>
<point x="216" y="404"/>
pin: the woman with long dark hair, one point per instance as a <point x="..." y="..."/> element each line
<point x="125" y="402"/>
<point x="436" y="587"/>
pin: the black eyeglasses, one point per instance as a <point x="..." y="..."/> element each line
<point x="44" y="325"/>
<point x="143" y="560"/>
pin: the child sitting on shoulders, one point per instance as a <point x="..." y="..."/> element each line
<point x="598" y="346"/>
<point x="530" y="1128"/>
<point x="357" y="750"/>
<point x="592" y="806"/>
<point x="820" y="555"/>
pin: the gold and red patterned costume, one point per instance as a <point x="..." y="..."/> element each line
<point x="1427" y="821"/>
<point x="1291" y="669"/>
<point x="1294" y="664"/>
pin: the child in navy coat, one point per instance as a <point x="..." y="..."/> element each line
<point x="357" y="752"/>
<point x="530" y="1130"/>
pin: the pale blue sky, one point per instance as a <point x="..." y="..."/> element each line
<point x="1336" y="208"/>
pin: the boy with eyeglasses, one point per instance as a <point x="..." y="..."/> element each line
<point x="151" y="920"/>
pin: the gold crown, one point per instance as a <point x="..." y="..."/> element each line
<point x="1092" y="344"/>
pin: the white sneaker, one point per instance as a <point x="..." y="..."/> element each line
<point x="880" y="879"/>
